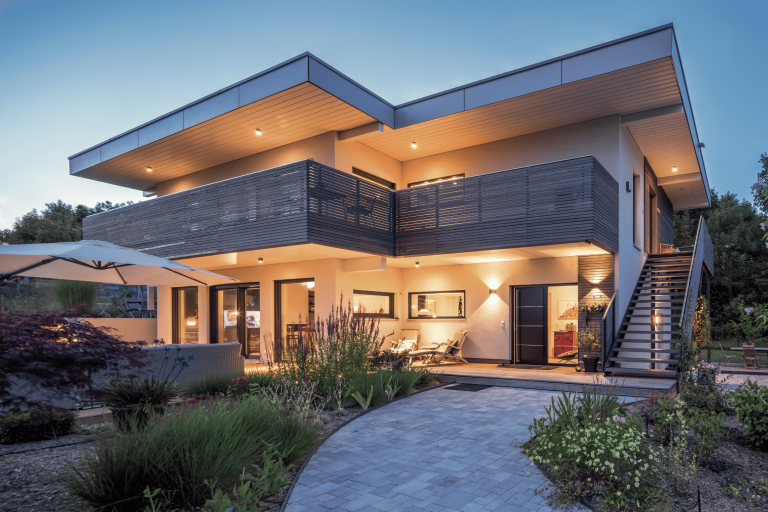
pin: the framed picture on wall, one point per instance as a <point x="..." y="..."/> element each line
<point x="567" y="310"/>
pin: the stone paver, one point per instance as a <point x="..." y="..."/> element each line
<point x="440" y="450"/>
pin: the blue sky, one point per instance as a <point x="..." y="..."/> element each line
<point x="74" y="73"/>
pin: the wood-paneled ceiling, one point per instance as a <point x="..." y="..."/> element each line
<point x="638" y="88"/>
<point x="295" y="114"/>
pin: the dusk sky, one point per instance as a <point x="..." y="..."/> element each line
<point x="75" y="73"/>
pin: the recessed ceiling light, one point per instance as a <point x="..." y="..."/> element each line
<point x="261" y="260"/>
<point x="149" y="169"/>
<point x="417" y="264"/>
<point x="413" y="145"/>
<point x="258" y="132"/>
<point x="674" y="169"/>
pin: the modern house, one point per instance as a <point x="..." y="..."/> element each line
<point x="502" y="207"/>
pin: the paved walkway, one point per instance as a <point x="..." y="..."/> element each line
<point x="441" y="450"/>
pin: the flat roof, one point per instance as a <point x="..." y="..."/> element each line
<point x="331" y="101"/>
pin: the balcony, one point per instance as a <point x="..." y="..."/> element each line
<point x="559" y="202"/>
<point x="305" y="202"/>
<point x="302" y="202"/>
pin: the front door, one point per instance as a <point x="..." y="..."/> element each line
<point x="530" y="324"/>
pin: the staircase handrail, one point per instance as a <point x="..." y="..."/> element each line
<point x="703" y="255"/>
<point x="609" y="328"/>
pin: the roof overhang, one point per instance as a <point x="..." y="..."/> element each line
<point x="636" y="77"/>
<point x="292" y="101"/>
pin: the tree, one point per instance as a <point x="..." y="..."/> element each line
<point x="55" y="354"/>
<point x="740" y="256"/>
<point x="59" y="222"/>
<point x="760" y="188"/>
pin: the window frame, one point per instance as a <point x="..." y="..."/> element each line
<point x="432" y="181"/>
<point x="376" y="180"/>
<point x="175" y="312"/>
<point x="462" y="292"/>
<point x="391" y="296"/>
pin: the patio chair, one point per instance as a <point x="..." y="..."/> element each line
<point x="750" y="355"/>
<point x="728" y="358"/>
<point x="451" y="349"/>
<point x="408" y="341"/>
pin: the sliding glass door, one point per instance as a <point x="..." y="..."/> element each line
<point x="236" y="311"/>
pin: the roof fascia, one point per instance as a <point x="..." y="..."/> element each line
<point x="300" y="69"/>
<point x="678" y="63"/>
<point x="620" y="53"/>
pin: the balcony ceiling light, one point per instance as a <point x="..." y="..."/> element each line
<point x="674" y="169"/>
<point x="258" y="132"/>
<point x="413" y="145"/>
<point x="149" y="169"/>
<point x="261" y="260"/>
<point x="417" y="264"/>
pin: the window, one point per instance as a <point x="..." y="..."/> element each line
<point x="636" y="201"/>
<point x="294" y="312"/>
<point x="435" y="180"/>
<point x="429" y="305"/>
<point x="185" y="317"/>
<point x="372" y="177"/>
<point x="379" y="304"/>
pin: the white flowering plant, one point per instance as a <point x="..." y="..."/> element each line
<point x="602" y="457"/>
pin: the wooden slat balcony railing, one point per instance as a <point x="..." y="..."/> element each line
<point x="307" y="202"/>
<point x="567" y="201"/>
<point x="292" y="204"/>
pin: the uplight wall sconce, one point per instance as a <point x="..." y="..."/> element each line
<point x="492" y="292"/>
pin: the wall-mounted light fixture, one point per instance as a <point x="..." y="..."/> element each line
<point x="257" y="132"/>
<point x="413" y="145"/>
<point x="629" y="188"/>
<point x="491" y="292"/>
<point x="417" y="264"/>
<point x="261" y="260"/>
<point x="149" y="169"/>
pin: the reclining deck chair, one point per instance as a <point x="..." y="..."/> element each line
<point x="448" y="350"/>
<point x="407" y="341"/>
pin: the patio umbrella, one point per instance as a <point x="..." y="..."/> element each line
<point x="102" y="262"/>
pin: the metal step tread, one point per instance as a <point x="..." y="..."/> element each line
<point x="627" y="322"/>
<point x="643" y="308"/>
<point x="637" y="371"/>
<point x="638" y="301"/>
<point x="641" y="360"/>
<point x="646" y="350"/>
<point x="649" y="332"/>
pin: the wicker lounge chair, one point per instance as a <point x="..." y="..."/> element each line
<point x="451" y="349"/>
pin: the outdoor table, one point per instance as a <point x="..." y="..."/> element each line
<point x="741" y="349"/>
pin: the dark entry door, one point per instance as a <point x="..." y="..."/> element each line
<point x="531" y="324"/>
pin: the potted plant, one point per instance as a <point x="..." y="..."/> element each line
<point x="589" y="342"/>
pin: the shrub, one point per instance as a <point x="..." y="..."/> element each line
<point x="214" y="441"/>
<point x="59" y="355"/>
<point x="35" y="424"/>
<point x="407" y="380"/>
<point x="215" y="384"/>
<point x="751" y="403"/>
<point x="344" y="345"/>
<point x="606" y="461"/>
<point x="77" y="295"/>
<point x="134" y="400"/>
<point x="369" y="385"/>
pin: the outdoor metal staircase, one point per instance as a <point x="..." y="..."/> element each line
<point x="647" y="342"/>
<point x="658" y="320"/>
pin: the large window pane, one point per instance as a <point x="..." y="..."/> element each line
<point x="252" y="299"/>
<point x="297" y="310"/>
<point x="373" y="303"/>
<point x="563" y="306"/>
<point x="227" y="315"/>
<point x="186" y="316"/>
<point x="426" y="305"/>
